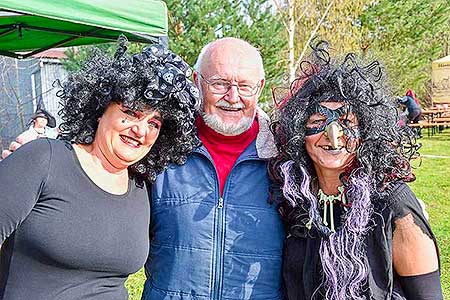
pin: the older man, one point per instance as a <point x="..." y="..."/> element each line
<point x="214" y="234"/>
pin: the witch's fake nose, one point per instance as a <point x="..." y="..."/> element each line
<point x="333" y="132"/>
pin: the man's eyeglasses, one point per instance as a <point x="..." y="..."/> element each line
<point x="222" y="86"/>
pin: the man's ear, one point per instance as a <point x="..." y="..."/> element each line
<point x="196" y="81"/>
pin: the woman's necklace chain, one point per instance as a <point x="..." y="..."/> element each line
<point x="328" y="201"/>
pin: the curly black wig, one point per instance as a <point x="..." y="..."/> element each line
<point x="383" y="150"/>
<point x="155" y="78"/>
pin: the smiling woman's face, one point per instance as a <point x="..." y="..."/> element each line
<point x="327" y="148"/>
<point x="125" y="136"/>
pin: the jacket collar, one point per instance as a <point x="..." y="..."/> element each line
<point x="265" y="143"/>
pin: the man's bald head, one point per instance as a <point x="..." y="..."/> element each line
<point x="230" y="48"/>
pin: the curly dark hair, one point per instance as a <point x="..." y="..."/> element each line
<point x="155" y="78"/>
<point x="384" y="149"/>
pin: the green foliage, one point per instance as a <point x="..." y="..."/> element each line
<point x="77" y="56"/>
<point x="340" y="26"/>
<point x="408" y="35"/>
<point x="193" y="24"/>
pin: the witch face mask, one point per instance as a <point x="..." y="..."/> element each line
<point x="335" y="123"/>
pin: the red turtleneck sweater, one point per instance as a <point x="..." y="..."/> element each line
<point x="223" y="149"/>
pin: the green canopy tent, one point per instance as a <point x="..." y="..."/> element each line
<point x="28" y="27"/>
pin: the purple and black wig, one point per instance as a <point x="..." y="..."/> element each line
<point x="156" y="78"/>
<point x="382" y="158"/>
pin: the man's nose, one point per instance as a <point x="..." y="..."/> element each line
<point x="232" y="96"/>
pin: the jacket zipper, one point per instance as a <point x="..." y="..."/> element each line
<point x="219" y="252"/>
<point x="218" y="242"/>
<point x="219" y="236"/>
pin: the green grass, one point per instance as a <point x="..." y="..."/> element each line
<point x="432" y="186"/>
<point x="135" y="285"/>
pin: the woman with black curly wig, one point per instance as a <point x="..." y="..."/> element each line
<point x="355" y="229"/>
<point x="74" y="215"/>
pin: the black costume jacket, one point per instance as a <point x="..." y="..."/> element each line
<point x="302" y="266"/>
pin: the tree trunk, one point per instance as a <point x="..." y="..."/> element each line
<point x="291" y="44"/>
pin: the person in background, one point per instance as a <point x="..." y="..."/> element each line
<point x="412" y="108"/>
<point x="74" y="212"/>
<point x="213" y="233"/>
<point x="39" y="126"/>
<point x="355" y="228"/>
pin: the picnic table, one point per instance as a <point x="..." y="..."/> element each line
<point x="434" y="119"/>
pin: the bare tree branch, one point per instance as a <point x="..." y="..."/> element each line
<point x="281" y="11"/>
<point x="313" y="33"/>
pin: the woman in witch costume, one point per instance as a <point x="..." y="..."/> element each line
<point x="355" y="229"/>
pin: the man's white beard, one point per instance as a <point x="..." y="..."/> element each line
<point x="215" y="122"/>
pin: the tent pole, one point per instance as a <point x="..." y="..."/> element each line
<point x="55" y="45"/>
<point x="92" y="33"/>
<point x="11" y="54"/>
<point x="8" y="31"/>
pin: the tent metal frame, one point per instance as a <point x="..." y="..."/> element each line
<point x="19" y="27"/>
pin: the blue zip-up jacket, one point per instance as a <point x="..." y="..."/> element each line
<point x="207" y="247"/>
